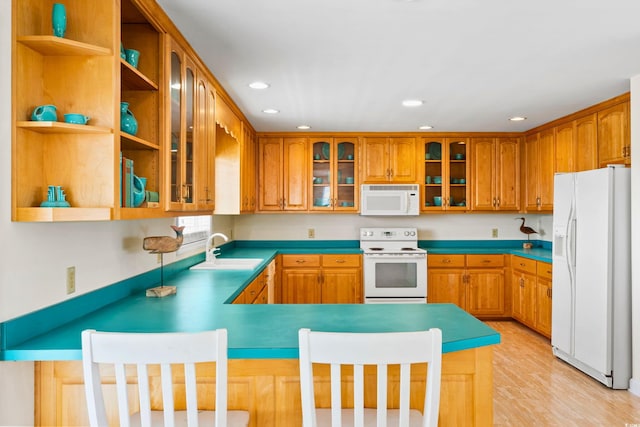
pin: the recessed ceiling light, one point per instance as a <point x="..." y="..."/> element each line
<point x="425" y="127"/>
<point x="412" y="103"/>
<point x="303" y="127"/>
<point x="258" y="85"/>
<point x="517" y="118"/>
<point x="270" y="111"/>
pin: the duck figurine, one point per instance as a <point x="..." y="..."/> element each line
<point x="526" y="230"/>
<point x="164" y="244"/>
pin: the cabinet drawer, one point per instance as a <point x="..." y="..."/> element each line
<point x="445" y="260"/>
<point x="252" y="291"/>
<point x="485" y="260"/>
<point x="300" y="261"/>
<point x="263" y="296"/>
<point x="544" y="270"/>
<point x="341" y="260"/>
<point x="524" y="264"/>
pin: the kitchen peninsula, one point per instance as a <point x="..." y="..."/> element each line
<point x="263" y="367"/>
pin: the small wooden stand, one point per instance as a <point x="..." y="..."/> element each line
<point x="162" y="290"/>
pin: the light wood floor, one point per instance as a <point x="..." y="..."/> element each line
<point x="534" y="388"/>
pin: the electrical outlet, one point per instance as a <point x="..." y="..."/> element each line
<point x="494" y="232"/>
<point x="71" y="280"/>
<point x="311" y="233"/>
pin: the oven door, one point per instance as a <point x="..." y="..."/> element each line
<point x="391" y="276"/>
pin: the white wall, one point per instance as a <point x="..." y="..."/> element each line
<point x="635" y="235"/>
<point x="346" y="226"/>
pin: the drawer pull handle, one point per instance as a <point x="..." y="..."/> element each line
<point x="486" y="261"/>
<point x="300" y="261"/>
<point x="340" y="261"/>
<point x="446" y="261"/>
<point x="522" y="264"/>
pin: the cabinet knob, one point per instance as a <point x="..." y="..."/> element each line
<point x="446" y="260"/>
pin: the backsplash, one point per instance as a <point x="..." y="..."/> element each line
<point x="346" y="226"/>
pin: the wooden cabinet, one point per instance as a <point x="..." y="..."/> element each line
<point x="205" y="144"/>
<point x="531" y="293"/>
<point x="539" y="170"/>
<point x="445" y="174"/>
<point x="81" y="73"/>
<point x="576" y="145"/>
<point x="614" y="141"/>
<point x="256" y="292"/>
<point x="283" y="174"/>
<point x="181" y="124"/>
<point x="326" y="279"/>
<point x="476" y="283"/>
<point x="388" y="159"/>
<point x="248" y="169"/>
<point x="334" y="174"/>
<point x="495" y="174"/>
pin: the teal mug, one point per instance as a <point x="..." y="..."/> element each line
<point x="45" y="113"/>
<point x="76" y="119"/>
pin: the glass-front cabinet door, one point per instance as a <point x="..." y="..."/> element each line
<point x="182" y="106"/>
<point x="458" y="173"/>
<point x="334" y="174"/>
<point x="445" y="174"/>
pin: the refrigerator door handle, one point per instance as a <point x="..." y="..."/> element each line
<point x="570" y="253"/>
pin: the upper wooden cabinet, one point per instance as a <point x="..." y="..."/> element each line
<point x="205" y="144"/>
<point x="445" y="174"/>
<point x="495" y="174"/>
<point x="248" y="169"/>
<point x="283" y="174"/>
<point x="614" y="145"/>
<point x="84" y="160"/>
<point x="333" y="185"/>
<point x="182" y="131"/>
<point x="388" y="159"/>
<point x="539" y="168"/>
<point x="576" y="145"/>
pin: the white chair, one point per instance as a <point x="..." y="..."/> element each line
<point x="164" y="349"/>
<point x="360" y="349"/>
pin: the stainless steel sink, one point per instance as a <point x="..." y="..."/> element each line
<point x="229" y="264"/>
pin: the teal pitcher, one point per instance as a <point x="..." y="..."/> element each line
<point x="128" y="122"/>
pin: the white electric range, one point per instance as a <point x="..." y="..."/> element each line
<point x="395" y="269"/>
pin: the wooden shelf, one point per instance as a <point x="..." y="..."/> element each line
<point x="143" y="213"/>
<point x="131" y="142"/>
<point x="61" y="127"/>
<point x="133" y="79"/>
<point x="58" y="46"/>
<point x="37" y="214"/>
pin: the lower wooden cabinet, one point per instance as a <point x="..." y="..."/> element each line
<point x="531" y="293"/>
<point x="270" y="390"/>
<point x="475" y="283"/>
<point x="257" y="292"/>
<point x="321" y="279"/>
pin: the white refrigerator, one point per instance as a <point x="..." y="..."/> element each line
<point x="591" y="303"/>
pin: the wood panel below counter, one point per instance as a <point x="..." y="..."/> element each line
<point x="270" y="390"/>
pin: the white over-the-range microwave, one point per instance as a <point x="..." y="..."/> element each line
<point x="389" y="199"/>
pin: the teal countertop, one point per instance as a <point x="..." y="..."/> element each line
<point x="255" y="331"/>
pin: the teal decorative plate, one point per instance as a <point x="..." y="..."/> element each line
<point x="435" y="151"/>
<point x="326" y="150"/>
<point x="340" y="151"/>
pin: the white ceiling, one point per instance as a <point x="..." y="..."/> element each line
<point x="346" y="65"/>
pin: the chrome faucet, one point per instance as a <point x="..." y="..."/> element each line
<point x="210" y="250"/>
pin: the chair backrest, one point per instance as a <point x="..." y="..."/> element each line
<point x="143" y="349"/>
<point x="381" y="349"/>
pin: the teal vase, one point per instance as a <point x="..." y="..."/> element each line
<point x="59" y="19"/>
<point x="128" y="122"/>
